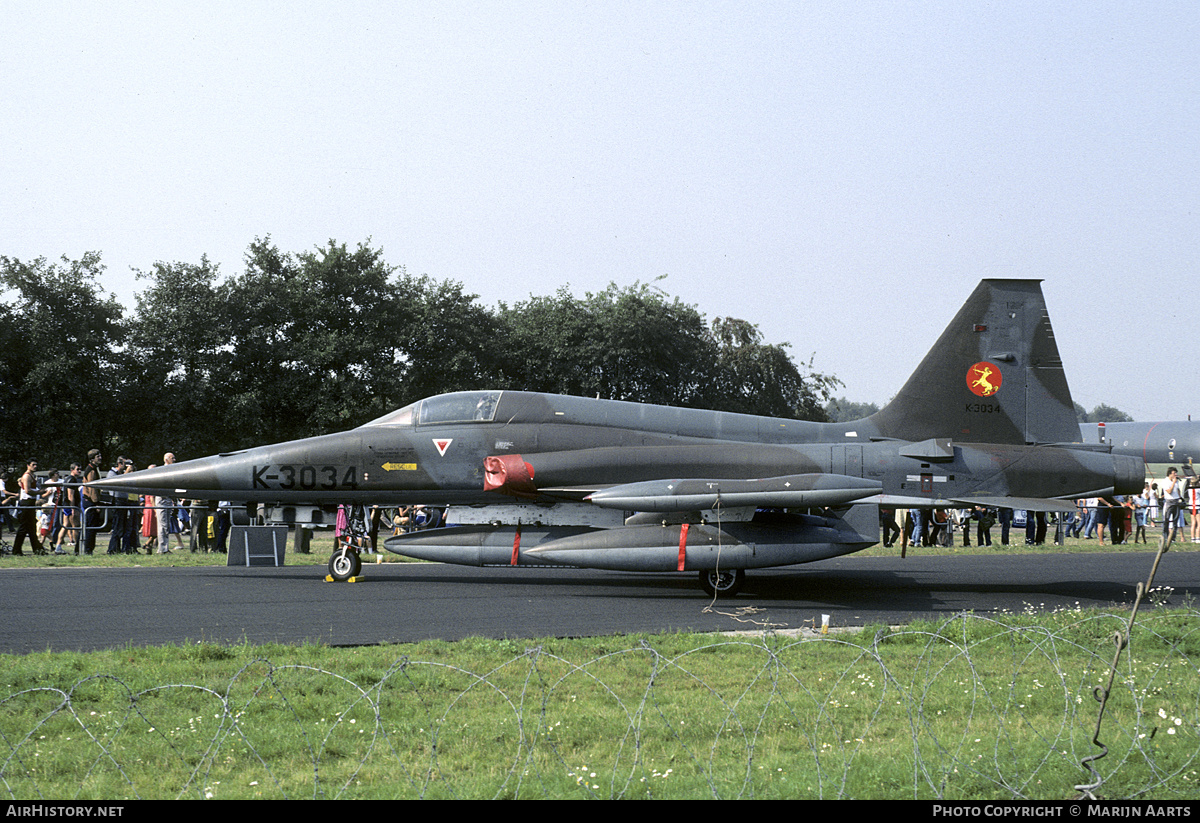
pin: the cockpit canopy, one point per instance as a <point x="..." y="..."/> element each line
<point x="459" y="407"/>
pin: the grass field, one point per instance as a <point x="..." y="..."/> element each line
<point x="970" y="708"/>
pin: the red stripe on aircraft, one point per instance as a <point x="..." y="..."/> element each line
<point x="1146" y="443"/>
<point x="683" y="530"/>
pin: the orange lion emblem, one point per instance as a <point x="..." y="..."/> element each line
<point x="984" y="379"/>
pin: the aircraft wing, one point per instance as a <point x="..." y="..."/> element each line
<point x="1032" y="504"/>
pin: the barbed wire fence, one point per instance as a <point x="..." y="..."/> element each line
<point x="977" y="707"/>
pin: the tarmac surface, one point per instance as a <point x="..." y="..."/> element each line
<point x="83" y="609"/>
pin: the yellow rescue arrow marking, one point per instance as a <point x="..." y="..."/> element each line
<point x="402" y="467"/>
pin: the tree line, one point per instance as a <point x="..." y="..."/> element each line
<point x="299" y="344"/>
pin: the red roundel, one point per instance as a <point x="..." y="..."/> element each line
<point x="984" y="379"/>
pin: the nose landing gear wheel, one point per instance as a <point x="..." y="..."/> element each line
<point x="722" y="583"/>
<point x="344" y="564"/>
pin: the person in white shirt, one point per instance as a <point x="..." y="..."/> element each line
<point x="1173" y="490"/>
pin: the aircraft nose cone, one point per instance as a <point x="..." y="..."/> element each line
<point x="167" y="481"/>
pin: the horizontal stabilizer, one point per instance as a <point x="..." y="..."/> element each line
<point x="1030" y="504"/>
<point x="796" y="490"/>
<point x="1033" y="504"/>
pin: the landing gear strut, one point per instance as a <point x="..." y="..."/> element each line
<point x="722" y="583"/>
<point x="345" y="563"/>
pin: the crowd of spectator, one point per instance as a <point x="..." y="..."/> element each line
<point x="58" y="514"/>
<point x="1113" y="520"/>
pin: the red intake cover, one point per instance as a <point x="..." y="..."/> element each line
<point x="508" y="474"/>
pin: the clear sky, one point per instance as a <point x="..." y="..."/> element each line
<point x="842" y="174"/>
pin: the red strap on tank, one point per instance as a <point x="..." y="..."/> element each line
<point x="682" y="545"/>
<point x="516" y="546"/>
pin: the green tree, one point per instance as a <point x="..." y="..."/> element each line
<point x="755" y="377"/>
<point x="12" y="369"/>
<point x="649" y="349"/>
<point x="1102" y="413"/>
<point x="636" y="344"/>
<point x="301" y="344"/>
<point x="548" y="345"/>
<point x="178" y="339"/>
<point x="262" y="386"/>
<point x="842" y="410"/>
<point x="313" y="346"/>
<point x="446" y="341"/>
<point x="344" y="346"/>
<point x="326" y="340"/>
<point x="294" y="345"/>
<point x="619" y="344"/>
<point x="61" y="359"/>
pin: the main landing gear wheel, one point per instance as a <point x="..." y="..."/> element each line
<point x="722" y="583"/>
<point x="344" y="564"/>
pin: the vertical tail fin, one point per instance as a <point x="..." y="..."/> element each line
<point x="994" y="376"/>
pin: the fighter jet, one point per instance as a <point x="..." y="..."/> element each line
<point x="530" y="478"/>
<point x="1160" y="444"/>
